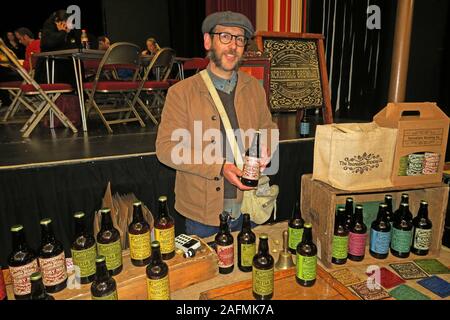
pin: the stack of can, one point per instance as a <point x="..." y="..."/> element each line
<point x="415" y="164"/>
<point x="431" y="163"/>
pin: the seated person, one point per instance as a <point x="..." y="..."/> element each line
<point x="152" y="47"/>
<point x="103" y="43"/>
<point x="33" y="46"/>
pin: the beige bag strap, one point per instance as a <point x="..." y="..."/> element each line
<point x="225" y="120"/>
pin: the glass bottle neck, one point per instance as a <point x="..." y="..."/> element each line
<point x="297" y="214"/>
<point x="137" y="214"/>
<point x="163" y="211"/>
<point x="47" y="234"/>
<point x="18" y="241"/>
<point x="423" y="212"/>
<point x="307" y="235"/>
<point x="80" y="227"/>
<point x="106" y="221"/>
<point x="254" y="149"/>
<point x="156" y="256"/>
<point x="263" y="248"/>
<point x="38" y="290"/>
<point x="246" y="226"/>
<point x="381" y="216"/>
<point x="224" y="228"/>
<point x="102" y="273"/>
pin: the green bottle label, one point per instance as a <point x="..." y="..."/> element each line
<point x="306" y="267"/>
<point x="85" y="260"/>
<point x="401" y="240"/>
<point x="422" y="239"/>
<point x="111" y="296"/>
<point x="340" y="247"/>
<point x="248" y="251"/>
<point x="112" y="253"/>
<point x="263" y="281"/>
<point x="295" y="237"/>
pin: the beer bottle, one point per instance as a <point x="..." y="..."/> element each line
<point x="389" y="210"/>
<point x="304" y="126"/>
<point x="108" y="243"/>
<point x="402" y="233"/>
<point x="3" y="295"/>
<point x="380" y="234"/>
<point x="340" y="239"/>
<point x="165" y="230"/>
<point x="295" y="227"/>
<point x="349" y="212"/>
<point x="225" y="246"/>
<point x="404" y="199"/>
<point x="306" y="259"/>
<point x="139" y="237"/>
<point x="52" y="259"/>
<point x="246" y="245"/>
<point x="263" y="271"/>
<point x="84" y="40"/>
<point x="84" y="250"/>
<point x="250" y="172"/>
<point x="104" y="286"/>
<point x="22" y="263"/>
<point x="357" y="236"/>
<point x="422" y="231"/>
<point x="38" y="291"/>
<point x="157" y="276"/>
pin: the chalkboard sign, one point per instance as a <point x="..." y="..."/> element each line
<point x="298" y="75"/>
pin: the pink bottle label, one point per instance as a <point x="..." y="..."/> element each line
<point x="357" y="244"/>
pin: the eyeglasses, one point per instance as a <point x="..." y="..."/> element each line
<point x="226" y="38"/>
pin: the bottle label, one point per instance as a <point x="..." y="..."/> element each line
<point x="401" y="240"/>
<point x="2" y="286"/>
<point x="295" y="237"/>
<point x="166" y="238"/>
<point x="422" y="239"/>
<point x="248" y="251"/>
<point x="357" y="244"/>
<point x="306" y="267"/>
<point x="304" y="128"/>
<point x="340" y="247"/>
<point x="226" y="255"/>
<point x="263" y="281"/>
<point x="112" y="253"/>
<point x="111" y="296"/>
<point x="21" y="277"/>
<point x="380" y="241"/>
<point x="53" y="270"/>
<point x="251" y="168"/>
<point x="158" y="289"/>
<point x="85" y="260"/>
<point x="140" y="246"/>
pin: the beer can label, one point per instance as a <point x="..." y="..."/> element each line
<point x="2" y="286"/>
<point x="166" y="238"/>
<point x="85" y="260"/>
<point x="401" y="240"/>
<point x="295" y="237"/>
<point x="306" y="267"/>
<point x="112" y="253"/>
<point x="340" y="247"/>
<point x="112" y="296"/>
<point x="140" y="246"/>
<point x="380" y="241"/>
<point x="251" y="168"/>
<point x="262" y="281"/>
<point x="226" y="255"/>
<point x="158" y="289"/>
<point x="422" y="239"/>
<point x="53" y="270"/>
<point x="357" y="244"/>
<point x="248" y="251"/>
<point x="21" y="277"/>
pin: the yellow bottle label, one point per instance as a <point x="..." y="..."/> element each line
<point x="263" y="281"/>
<point x="166" y="238"/>
<point x="112" y="296"/>
<point x="248" y="251"/>
<point x="112" y="253"/>
<point x="158" y="289"/>
<point x="85" y="260"/>
<point x="139" y="246"/>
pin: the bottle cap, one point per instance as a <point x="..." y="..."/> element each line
<point x="137" y="204"/>
<point x="162" y="199"/>
<point x="105" y="210"/>
<point x="46" y="221"/>
<point x="189" y="254"/>
<point x="16" y="228"/>
<point x="263" y="236"/>
<point x="308" y="225"/>
<point x="155" y="244"/>
<point x="36" y="276"/>
<point x="78" y="215"/>
<point x="100" y="259"/>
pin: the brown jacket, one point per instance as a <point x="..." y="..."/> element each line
<point x="199" y="187"/>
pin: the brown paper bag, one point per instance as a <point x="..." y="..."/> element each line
<point x="354" y="156"/>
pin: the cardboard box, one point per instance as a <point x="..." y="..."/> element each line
<point x="423" y="133"/>
<point x="319" y="202"/>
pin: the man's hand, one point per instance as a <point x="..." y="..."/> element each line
<point x="62" y="26"/>
<point x="232" y="174"/>
<point x="265" y="158"/>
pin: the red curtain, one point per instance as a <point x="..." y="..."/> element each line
<point x="247" y="7"/>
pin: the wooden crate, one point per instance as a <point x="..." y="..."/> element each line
<point x="286" y="288"/>
<point x="319" y="202"/>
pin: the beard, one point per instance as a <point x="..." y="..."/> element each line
<point x="214" y="56"/>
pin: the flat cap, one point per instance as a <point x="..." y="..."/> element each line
<point x="229" y="19"/>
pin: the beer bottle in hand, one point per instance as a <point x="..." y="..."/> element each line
<point x="306" y="259"/>
<point x="340" y="239"/>
<point x="295" y="228"/>
<point x="380" y="234"/>
<point x="38" y="291"/>
<point x="250" y="172"/>
<point x="246" y="245"/>
<point x="104" y="286"/>
<point x="52" y="259"/>
<point x="165" y="230"/>
<point x="157" y="276"/>
<point x="389" y="209"/>
<point x="422" y="231"/>
<point x="84" y="250"/>
<point x="402" y="233"/>
<point x="108" y="243"/>
<point x="263" y="271"/>
<point x="225" y="246"/>
<point x="357" y="236"/>
<point x="22" y="263"/>
<point x="139" y="237"/>
<point x="349" y="212"/>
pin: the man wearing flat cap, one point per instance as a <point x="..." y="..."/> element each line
<point x="205" y="188"/>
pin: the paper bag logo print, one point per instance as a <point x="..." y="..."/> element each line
<point x="361" y="163"/>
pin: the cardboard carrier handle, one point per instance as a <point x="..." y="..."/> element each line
<point x="421" y="110"/>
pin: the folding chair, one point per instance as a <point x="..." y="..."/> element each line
<point x="162" y="63"/>
<point x="47" y="93"/>
<point x="195" y="65"/>
<point x="120" y="55"/>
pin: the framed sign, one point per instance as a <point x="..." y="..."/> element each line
<point x="298" y="74"/>
<point x="260" y="69"/>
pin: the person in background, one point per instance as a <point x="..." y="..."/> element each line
<point x="152" y="47"/>
<point x="32" y="46"/>
<point x="103" y="43"/>
<point x="14" y="45"/>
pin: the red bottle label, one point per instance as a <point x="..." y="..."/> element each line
<point x="357" y="244"/>
<point x="21" y="277"/>
<point x="251" y="168"/>
<point x="226" y="256"/>
<point x="53" y="270"/>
